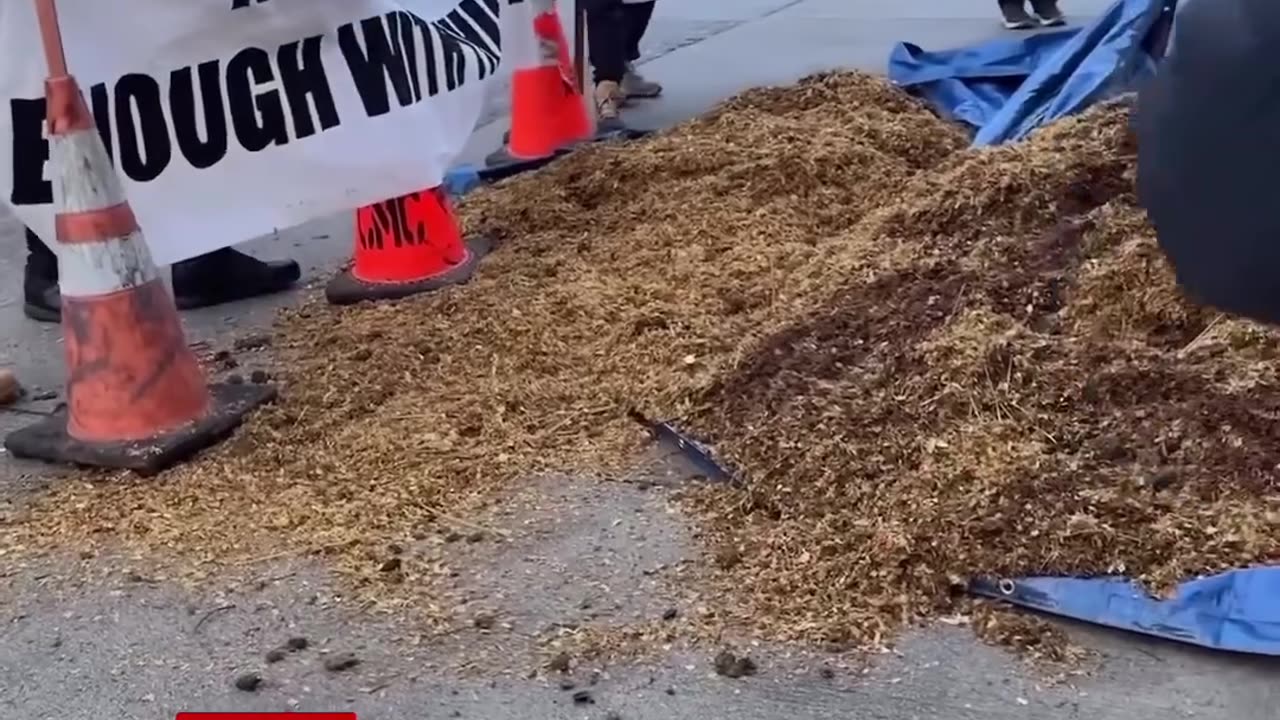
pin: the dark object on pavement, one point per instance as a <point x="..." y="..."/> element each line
<point x="276" y="655"/>
<point x="583" y="697"/>
<point x="297" y="643"/>
<point x="248" y="682"/>
<point x="731" y="666"/>
<point x="340" y="662"/>
<point x="560" y="663"/>
<point x="1208" y="128"/>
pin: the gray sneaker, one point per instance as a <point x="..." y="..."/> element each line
<point x="634" y="85"/>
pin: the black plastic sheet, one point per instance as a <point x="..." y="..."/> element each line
<point x="1208" y="129"/>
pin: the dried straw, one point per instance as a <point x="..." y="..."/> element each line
<point x="1011" y="385"/>
<point x="927" y="362"/>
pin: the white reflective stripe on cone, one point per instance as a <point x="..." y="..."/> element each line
<point x="86" y="181"/>
<point x="102" y="268"/>
<point x="84" y="178"/>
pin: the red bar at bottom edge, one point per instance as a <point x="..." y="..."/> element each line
<point x="265" y="716"/>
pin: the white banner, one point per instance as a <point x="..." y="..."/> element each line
<point x="228" y="119"/>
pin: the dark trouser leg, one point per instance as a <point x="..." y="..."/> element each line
<point x="607" y="40"/>
<point x="40" y="258"/>
<point x="638" y="17"/>
<point x="607" y="46"/>
<point x="40" y="282"/>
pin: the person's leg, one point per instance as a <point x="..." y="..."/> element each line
<point x="40" y="282"/>
<point x="218" y="277"/>
<point x="228" y="275"/>
<point x="1048" y="12"/>
<point x="607" y="48"/>
<point x="1016" y="16"/>
<point x="638" y="15"/>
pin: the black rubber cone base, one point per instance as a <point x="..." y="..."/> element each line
<point x="502" y="161"/>
<point x="501" y="164"/>
<point x="347" y="289"/>
<point x="48" y="439"/>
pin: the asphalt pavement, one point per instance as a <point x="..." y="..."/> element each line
<point x="82" y="639"/>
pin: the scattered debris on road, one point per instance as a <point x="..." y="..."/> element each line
<point x="561" y="663"/>
<point x="248" y="682"/>
<point x="255" y="341"/>
<point x="340" y="662"/>
<point x="730" y="665"/>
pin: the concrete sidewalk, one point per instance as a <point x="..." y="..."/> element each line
<point x="85" y="640"/>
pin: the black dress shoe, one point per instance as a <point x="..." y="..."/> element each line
<point x="41" y="300"/>
<point x="227" y="275"/>
<point x="220" y="277"/>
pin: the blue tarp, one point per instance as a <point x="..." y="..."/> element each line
<point x="1238" y="611"/>
<point x="1007" y="88"/>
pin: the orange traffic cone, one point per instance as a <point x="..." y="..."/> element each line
<point x="547" y="109"/>
<point x="406" y="246"/>
<point x="136" y="397"/>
